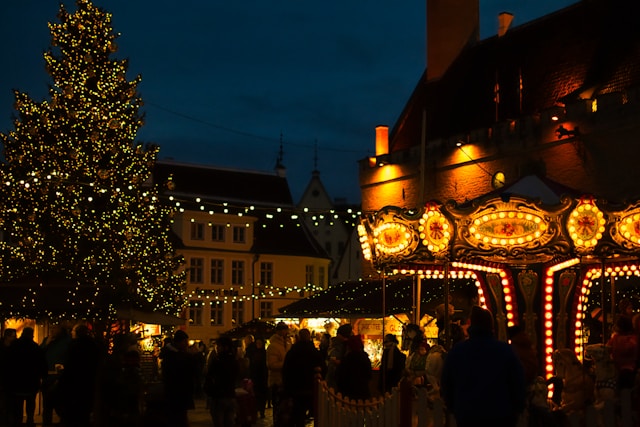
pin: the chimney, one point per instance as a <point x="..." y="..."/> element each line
<point x="382" y="140"/>
<point x="504" y="22"/>
<point x="451" y="25"/>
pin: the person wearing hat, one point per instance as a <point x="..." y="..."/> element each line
<point x="279" y="345"/>
<point x="337" y="350"/>
<point x="482" y="378"/>
<point x="391" y="364"/>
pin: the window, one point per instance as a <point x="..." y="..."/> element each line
<point x="237" y="311"/>
<point x="321" y="274"/>
<point x="197" y="231"/>
<point x="266" y="273"/>
<point x="217" y="313"/>
<point x="309" y="275"/>
<point x="217" y="233"/>
<point x="237" y="272"/>
<point x="195" y="312"/>
<point x="217" y="272"/>
<point x="266" y="309"/>
<point x="239" y="234"/>
<point x="196" y="269"/>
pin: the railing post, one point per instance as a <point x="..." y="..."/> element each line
<point x="406" y="402"/>
<point x="316" y="395"/>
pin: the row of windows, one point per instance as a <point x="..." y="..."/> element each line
<point x="216" y="312"/>
<point x="216" y="272"/>
<point x="238" y="272"/>
<point x="218" y="232"/>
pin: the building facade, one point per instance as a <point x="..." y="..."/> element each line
<point x="332" y="224"/>
<point x="246" y="253"/>
<point x="558" y="97"/>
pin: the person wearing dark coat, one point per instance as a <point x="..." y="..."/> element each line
<point x="220" y="383"/>
<point x="27" y="368"/>
<point x="482" y="378"/>
<point x="301" y="364"/>
<point x="354" y="372"/>
<point x="55" y="347"/>
<point x="178" y="371"/>
<point x="392" y="364"/>
<point x="8" y="338"/>
<point x="78" y="379"/>
<point x="259" y="374"/>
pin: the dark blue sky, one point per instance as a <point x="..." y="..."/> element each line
<point x="222" y="80"/>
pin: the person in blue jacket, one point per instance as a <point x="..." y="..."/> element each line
<point x="482" y="378"/>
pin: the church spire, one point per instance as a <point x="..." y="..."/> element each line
<point x="280" y="169"/>
<point x="315" y="158"/>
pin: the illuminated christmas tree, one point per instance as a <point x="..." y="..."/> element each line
<point x="77" y="198"/>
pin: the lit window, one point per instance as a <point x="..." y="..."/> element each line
<point x="237" y="272"/>
<point x="217" y="313"/>
<point x="217" y="271"/>
<point x="239" y="234"/>
<point x="217" y="233"/>
<point x="266" y="273"/>
<point x="197" y="231"/>
<point x="309" y="275"/>
<point x="196" y="269"/>
<point x="195" y="312"/>
<point x="237" y="311"/>
<point x="266" y="309"/>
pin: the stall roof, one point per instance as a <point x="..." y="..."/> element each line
<point x="363" y="298"/>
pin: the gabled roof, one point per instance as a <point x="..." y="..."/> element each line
<point x="223" y="184"/>
<point x="588" y="49"/>
<point x="277" y="231"/>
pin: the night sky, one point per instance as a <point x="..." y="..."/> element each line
<point x="224" y="82"/>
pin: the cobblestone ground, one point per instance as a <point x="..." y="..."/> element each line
<point x="199" y="417"/>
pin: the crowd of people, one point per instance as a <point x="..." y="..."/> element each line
<point x="478" y="378"/>
<point x="64" y="367"/>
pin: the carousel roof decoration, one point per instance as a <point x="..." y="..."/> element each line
<point x="509" y="228"/>
<point x="625" y="230"/>
<point x="586" y="225"/>
<point x="500" y="229"/>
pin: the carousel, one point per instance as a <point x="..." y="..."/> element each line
<point x="543" y="267"/>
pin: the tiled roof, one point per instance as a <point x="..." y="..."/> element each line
<point x="225" y="185"/>
<point x="585" y="50"/>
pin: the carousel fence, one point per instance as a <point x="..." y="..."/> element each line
<point x="405" y="406"/>
<point x="408" y="406"/>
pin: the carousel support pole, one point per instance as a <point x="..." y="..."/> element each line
<point x="383" y="372"/>
<point x="603" y="301"/>
<point x="447" y="320"/>
<point x="613" y="299"/>
<point x="418" y="300"/>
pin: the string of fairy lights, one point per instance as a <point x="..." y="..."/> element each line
<point x="74" y="190"/>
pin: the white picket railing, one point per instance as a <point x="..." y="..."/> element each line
<point x="335" y="410"/>
<point x="409" y="406"/>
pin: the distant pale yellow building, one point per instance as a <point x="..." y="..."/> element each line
<point x="246" y="251"/>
